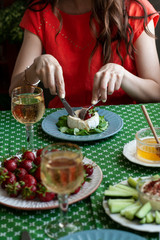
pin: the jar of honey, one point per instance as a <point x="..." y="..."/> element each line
<point x="147" y="148"/>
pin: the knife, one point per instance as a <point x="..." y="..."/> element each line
<point x="68" y="107"/>
<point x="25" y="236"/>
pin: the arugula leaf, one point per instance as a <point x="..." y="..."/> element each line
<point x="62" y="121"/>
<point x="63" y="127"/>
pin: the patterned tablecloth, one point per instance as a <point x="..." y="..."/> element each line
<point x="106" y="153"/>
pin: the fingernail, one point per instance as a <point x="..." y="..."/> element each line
<point x="63" y="95"/>
<point x="103" y="101"/>
<point x="94" y="102"/>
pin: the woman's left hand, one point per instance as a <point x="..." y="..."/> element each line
<point x="108" y="79"/>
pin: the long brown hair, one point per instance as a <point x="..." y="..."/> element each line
<point x="110" y="15"/>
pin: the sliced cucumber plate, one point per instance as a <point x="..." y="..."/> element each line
<point x="123" y="199"/>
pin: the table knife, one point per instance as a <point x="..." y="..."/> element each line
<point x="68" y="107"/>
<point x="25" y="235"/>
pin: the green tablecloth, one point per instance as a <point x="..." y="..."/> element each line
<point x="106" y="153"/>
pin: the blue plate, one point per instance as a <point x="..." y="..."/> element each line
<point x="115" y="123"/>
<point x="102" y="234"/>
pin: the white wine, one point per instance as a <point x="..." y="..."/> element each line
<point x="62" y="172"/>
<point x="28" y="108"/>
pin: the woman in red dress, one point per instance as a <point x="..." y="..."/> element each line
<point x="89" y="49"/>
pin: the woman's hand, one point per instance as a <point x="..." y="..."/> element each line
<point x="106" y="81"/>
<point x="42" y="67"/>
<point x="50" y="73"/>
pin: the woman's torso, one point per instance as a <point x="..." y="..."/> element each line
<point x="72" y="48"/>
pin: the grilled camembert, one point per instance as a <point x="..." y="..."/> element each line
<point x="76" y="122"/>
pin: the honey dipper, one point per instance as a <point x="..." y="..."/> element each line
<point x="151" y="127"/>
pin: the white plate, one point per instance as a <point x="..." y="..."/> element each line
<point x="130" y="224"/>
<point x="115" y="123"/>
<point x="87" y="189"/>
<point x="129" y="151"/>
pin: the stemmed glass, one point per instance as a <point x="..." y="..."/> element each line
<point x="62" y="172"/>
<point x="27" y="106"/>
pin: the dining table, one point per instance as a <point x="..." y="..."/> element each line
<point x="107" y="153"/>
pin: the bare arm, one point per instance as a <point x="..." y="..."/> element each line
<point x="42" y="67"/>
<point x="145" y="87"/>
<point x="30" y="49"/>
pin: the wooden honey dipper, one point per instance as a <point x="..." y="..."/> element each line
<point x="150" y="124"/>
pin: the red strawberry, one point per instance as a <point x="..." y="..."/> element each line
<point x="28" y="183"/>
<point x="39" y="151"/>
<point x="16" y="159"/>
<point x="26" y="164"/>
<point x="20" y="172"/>
<point x="88" y="169"/>
<point x="37" y="160"/>
<point x="43" y="194"/>
<point x="90" y="113"/>
<point x="29" y="192"/>
<point x="10" y="178"/>
<point x="48" y="196"/>
<point x="83" y="182"/>
<point x="87" y="116"/>
<point x="13" y="189"/>
<point x="3" y="174"/>
<point x="37" y="174"/>
<point x="28" y="180"/>
<point x="10" y="164"/>
<point x="77" y="190"/>
<point x="28" y="155"/>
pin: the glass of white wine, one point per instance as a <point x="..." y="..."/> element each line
<point x="27" y="106"/>
<point x="62" y="172"/>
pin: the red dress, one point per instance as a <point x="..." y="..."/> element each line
<point x="73" y="47"/>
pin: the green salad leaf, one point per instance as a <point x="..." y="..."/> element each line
<point x="63" y="127"/>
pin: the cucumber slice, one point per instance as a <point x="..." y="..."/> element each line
<point x="143" y="220"/>
<point x="157" y="217"/>
<point x="149" y="217"/>
<point x="133" y="191"/>
<point x="142" y="212"/>
<point x="116" y="188"/>
<point x="132" y="182"/>
<point x="126" y="188"/>
<point x="117" y="193"/>
<point x="156" y="177"/>
<point x="130" y="211"/>
<point x="121" y="191"/>
<point x="116" y="205"/>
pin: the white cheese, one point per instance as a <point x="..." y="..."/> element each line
<point x="76" y="122"/>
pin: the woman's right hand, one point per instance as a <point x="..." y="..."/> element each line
<point x="49" y="72"/>
<point x="42" y="67"/>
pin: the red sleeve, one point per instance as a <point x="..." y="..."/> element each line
<point x="32" y="22"/>
<point x="136" y="10"/>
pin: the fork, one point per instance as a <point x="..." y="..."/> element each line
<point x="83" y="111"/>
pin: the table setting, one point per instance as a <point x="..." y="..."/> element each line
<point x="111" y="152"/>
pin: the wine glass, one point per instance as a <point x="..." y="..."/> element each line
<point x="62" y="172"/>
<point x="27" y="106"/>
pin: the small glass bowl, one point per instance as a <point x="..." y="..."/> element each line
<point x="148" y="191"/>
<point x="147" y="149"/>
